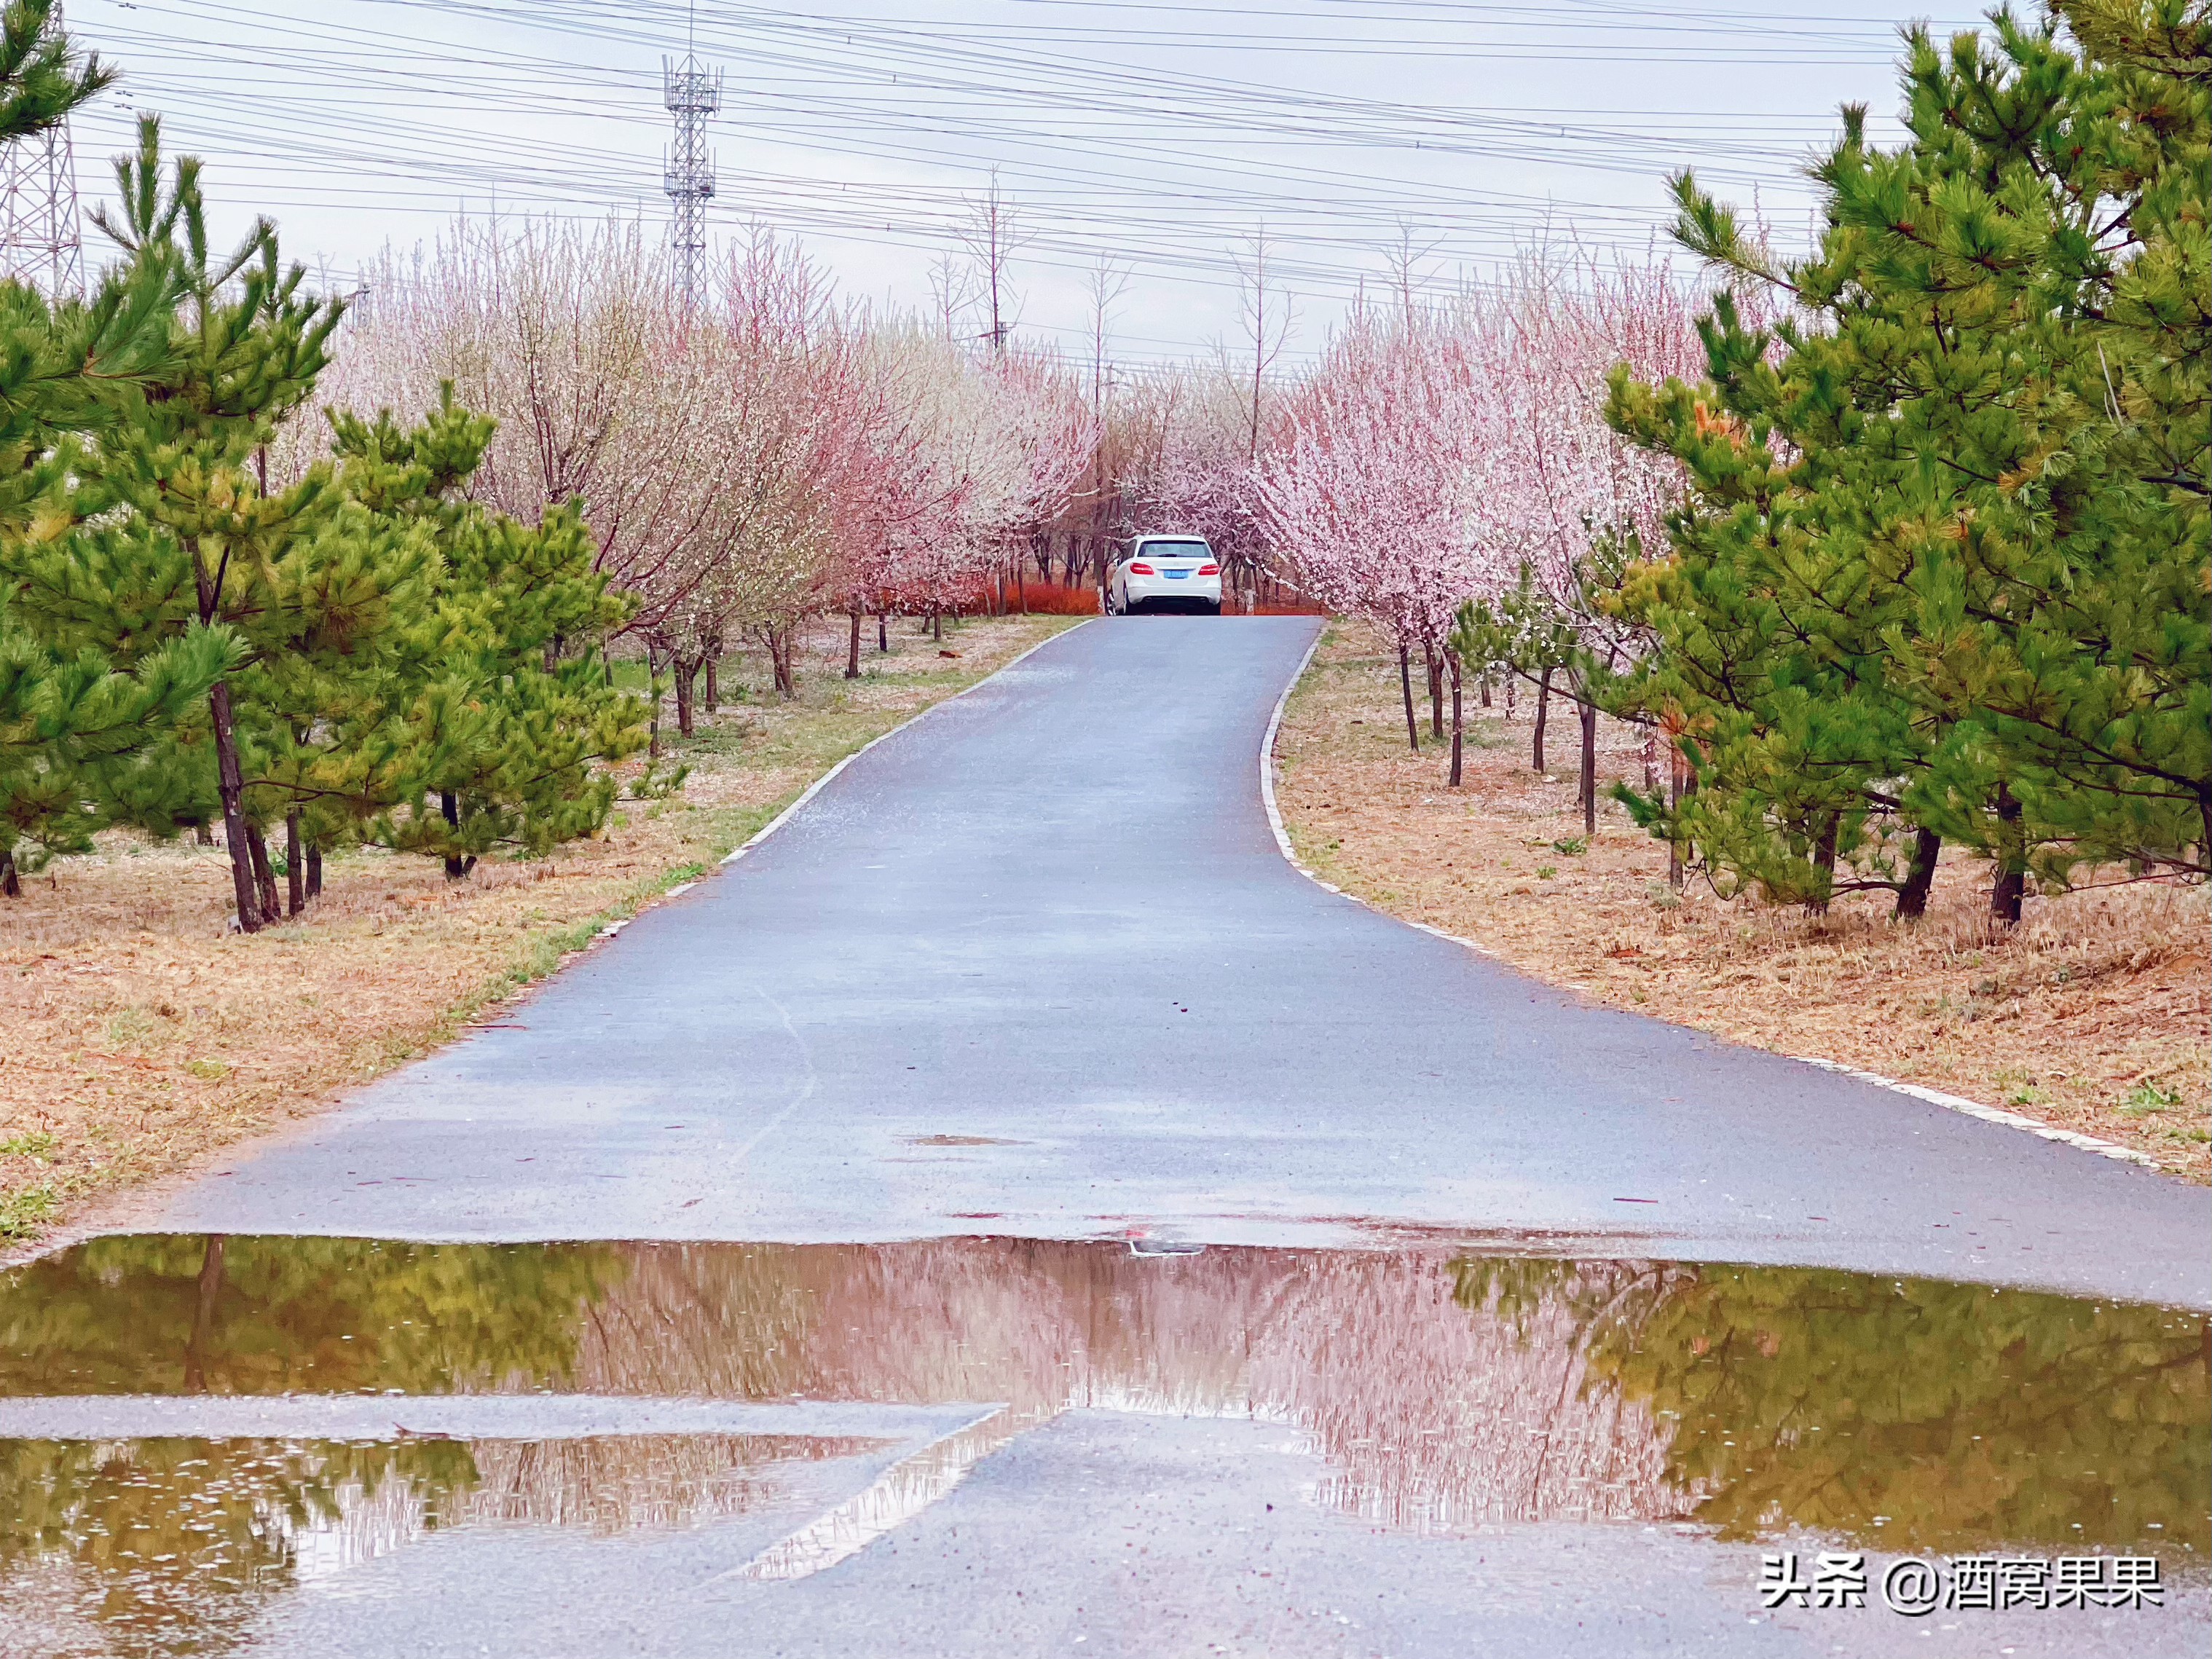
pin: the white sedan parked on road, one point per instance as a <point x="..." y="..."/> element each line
<point x="1164" y="570"/>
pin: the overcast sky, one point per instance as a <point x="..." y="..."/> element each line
<point x="1157" y="137"/>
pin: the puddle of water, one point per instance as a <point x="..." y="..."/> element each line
<point x="1441" y="1391"/>
<point x="172" y="1546"/>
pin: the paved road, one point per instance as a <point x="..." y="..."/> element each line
<point x="1034" y="966"/>
<point x="1050" y="917"/>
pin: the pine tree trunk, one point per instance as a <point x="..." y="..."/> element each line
<point x="1589" y="768"/>
<point x="1435" y="690"/>
<point x="1676" y="767"/>
<point x="1824" y="863"/>
<point x="229" y="777"/>
<point x="1543" y="714"/>
<point x="11" y="882"/>
<point x="1485" y="691"/>
<point x="1919" y="875"/>
<point x="686" y="668"/>
<point x="1689" y="778"/>
<point x="230" y="786"/>
<point x="264" y="878"/>
<point x="314" y="869"/>
<point x="202" y="836"/>
<point x="296" y="872"/>
<point x="1459" y="722"/>
<point x="853" y="649"/>
<point x="1406" y="685"/>
<point x="2010" y="886"/>
<point x="456" y="866"/>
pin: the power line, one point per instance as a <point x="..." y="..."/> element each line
<point x="1157" y="164"/>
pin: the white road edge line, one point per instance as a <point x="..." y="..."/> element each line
<point x="1932" y="1097"/>
<point x="1282" y="834"/>
<point x="824" y="781"/>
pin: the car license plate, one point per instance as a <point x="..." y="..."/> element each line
<point x="1177" y="575"/>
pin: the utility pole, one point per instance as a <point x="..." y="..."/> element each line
<point x="40" y="240"/>
<point x="692" y="92"/>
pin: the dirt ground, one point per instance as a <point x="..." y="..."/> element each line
<point x="142" y="1035"/>
<point x="2091" y="1015"/>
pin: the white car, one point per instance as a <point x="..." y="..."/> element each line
<point x="1179" y="570"/>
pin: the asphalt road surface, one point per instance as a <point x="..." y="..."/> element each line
<point x="1036" y="965"/>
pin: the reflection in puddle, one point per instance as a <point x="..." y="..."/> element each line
<point x="1443" y="1390"/>
<point x="169" y="1545"/>
<point x="904" y="1491"/>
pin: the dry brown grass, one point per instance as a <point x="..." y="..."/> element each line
<point x="142" y="1035"/>
<point x="2091" y="1015"/>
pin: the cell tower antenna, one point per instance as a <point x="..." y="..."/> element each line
<point x="692" y="92"/>
<point x="42" y="241"/>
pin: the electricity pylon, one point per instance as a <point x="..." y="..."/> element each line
<point x="42" y="242"/>
<point x="692" y="92"/>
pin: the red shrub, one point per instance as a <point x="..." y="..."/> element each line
<point x="1051" y="600"/>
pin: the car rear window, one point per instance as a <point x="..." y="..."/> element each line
<point x="1173" y="550"/>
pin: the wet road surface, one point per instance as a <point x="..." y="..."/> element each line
<point x="1448" y="1376"/>
<point x="1036" y="965"/>
<point x="282" y="1446"/>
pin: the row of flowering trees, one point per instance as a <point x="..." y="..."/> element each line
<point x="1447" y="473"/>
<point x="745" y="463"/>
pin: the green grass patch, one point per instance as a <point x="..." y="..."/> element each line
<point x="25" y="1211"/>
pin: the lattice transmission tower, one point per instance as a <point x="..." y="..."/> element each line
<point x="692" y="92"/>
<point x="42" y="241"/>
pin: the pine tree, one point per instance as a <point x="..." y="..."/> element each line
<point x="1772" y="670"/>
<point x="497" y="731"/>
<point x="1943" y="568"/>
<point x="69" y="370"/>
<point x="166" y="528"/>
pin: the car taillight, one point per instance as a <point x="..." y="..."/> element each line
<point x="1142" y="570"/>
<point x="1209" y="570"/>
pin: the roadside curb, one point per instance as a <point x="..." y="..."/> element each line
<point x="1282" y="834"/>
<point x="1959" y="1103"/>
<point x="1989" y="1114"/>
